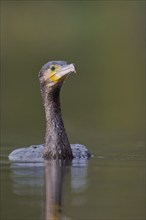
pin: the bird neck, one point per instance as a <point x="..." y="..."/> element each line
<point x="52" y="108"/>
<point x="56" y="139"/>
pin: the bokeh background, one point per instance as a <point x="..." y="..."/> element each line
<point x="103" y="104"/>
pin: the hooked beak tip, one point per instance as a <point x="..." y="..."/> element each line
<point x="75" y="71"/>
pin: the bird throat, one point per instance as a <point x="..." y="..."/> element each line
<point x="57" y="145"/>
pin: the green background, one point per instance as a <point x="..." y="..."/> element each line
<point x="103" y="105"/>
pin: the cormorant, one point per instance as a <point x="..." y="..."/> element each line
<point x="57" y="146"/>
<point x="52" y="76"/>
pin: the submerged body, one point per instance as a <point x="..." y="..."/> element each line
<point x="35" y="153"/>
<point x="57" y="146"/>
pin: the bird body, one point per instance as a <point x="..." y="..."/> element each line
<point x="57" y="146"/>
<point x="52" y="76"/>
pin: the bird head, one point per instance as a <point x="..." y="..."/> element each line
<point x="54" y="73"/>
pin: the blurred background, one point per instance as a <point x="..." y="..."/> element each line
<point x="103" y="104"/>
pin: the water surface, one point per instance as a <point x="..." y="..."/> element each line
<point x="105" y="187"/>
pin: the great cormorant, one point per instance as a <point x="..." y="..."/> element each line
<point x="57" y="146"/>
<point x="51" y="76"/>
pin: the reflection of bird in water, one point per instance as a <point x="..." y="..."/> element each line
<point x="57" y="146"/>
<point x="30" y="180"/>
<point x="54" y="173"/>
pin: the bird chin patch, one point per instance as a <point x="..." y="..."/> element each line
<point x="53" y="77"/>
<point x="53" y="84"/>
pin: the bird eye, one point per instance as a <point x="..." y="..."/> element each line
<point x="52" y="68"/>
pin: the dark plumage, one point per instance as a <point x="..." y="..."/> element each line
<point x="52" y="76"/>
<point x="57" y="146"/>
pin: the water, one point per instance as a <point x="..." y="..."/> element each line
<point x="103" y="107"/>
<point x="104" y="187"/>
